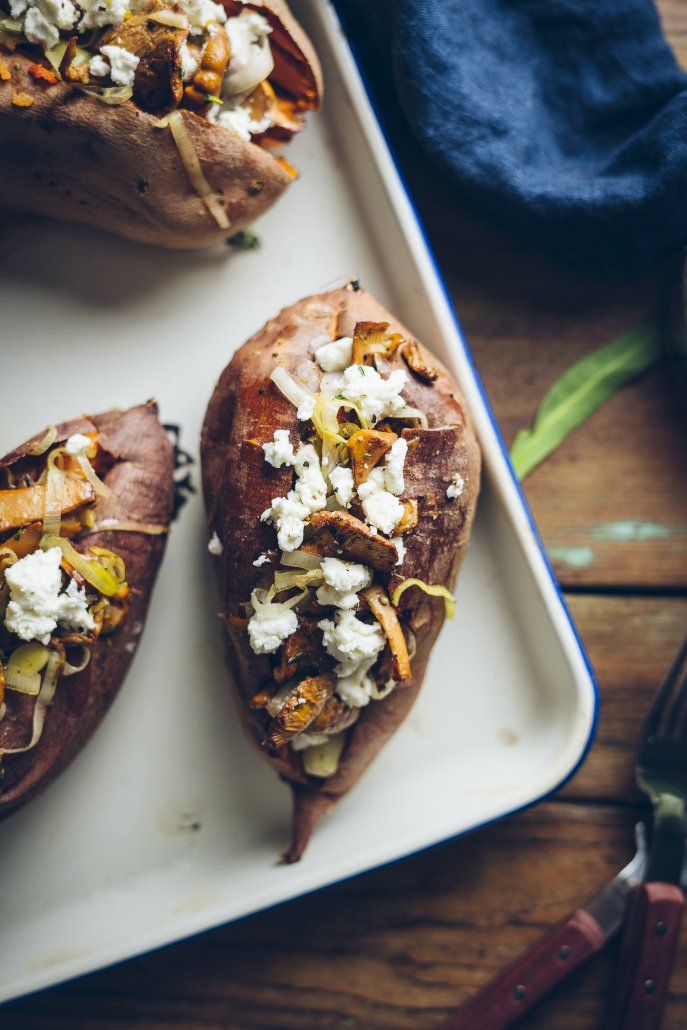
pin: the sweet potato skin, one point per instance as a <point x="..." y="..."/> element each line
<point x="142" y="490"/>
<point x="71" y="157"/>
<point x="243" y="413"/>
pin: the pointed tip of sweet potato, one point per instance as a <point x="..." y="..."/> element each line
<point x="309" y="805"/>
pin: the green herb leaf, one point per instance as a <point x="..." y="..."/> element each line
<point x="581" y="390"/>
<point x="246" y="239"/>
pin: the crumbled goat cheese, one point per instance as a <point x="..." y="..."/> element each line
<point x="280" y="451"/>
<point x="382" y="510"/>
<point x="337" y="598"/>
<point x="261" y="560"/>
<point x="122" y="65"/>
<point x="345" y="575"/>
<point x="241" y="123"/>
<point x="189" y="64"/>
<point x="36" y="604"/>
<point x="99" y="13"/>
<point x="267" y="630"/>
<point x="17" y="7"/>
<point x="244" y="31"/>
<point x="215" y="545"/>
<point x="201" y="12"/>
<point x="400" y="547"/>
<point x="288" y="514"/>
<point x="357" y="687"/>
<point x="342" y="581"/>
<point x="310" y="488"/>
<point x="341" y="479"/>
<point x="335" y="356"/>
<point x="78" y="444"/>
<point x="306" y="409"/>
<point x="350" y="641"/>
<point x="456" y="486"/>
<point x="376" y="397"/>
<point x="393" y="467"/>
<point x="304" y="740"/>
<point x="45" y="18"/>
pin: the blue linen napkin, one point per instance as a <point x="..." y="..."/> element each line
<point x="566" y="120"/>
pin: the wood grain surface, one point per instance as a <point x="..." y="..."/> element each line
<point x="399" y="947"/>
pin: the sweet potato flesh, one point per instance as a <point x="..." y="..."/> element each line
<point x="27" y="504"/>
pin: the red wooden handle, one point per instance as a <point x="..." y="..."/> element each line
<point x="531" y="976"/>
<point x="652" y="930"/>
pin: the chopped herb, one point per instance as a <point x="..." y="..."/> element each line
<point x="18" y="534"/>
<point x="210" y="98"/>
<point x="245" y="240"/>
<point x="361" y="369"/>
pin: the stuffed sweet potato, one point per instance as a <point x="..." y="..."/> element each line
<point x="154" y="119"/>
<point x="340" y="475"/>
<point x="84" y="513"/>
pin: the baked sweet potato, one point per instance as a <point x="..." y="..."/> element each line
<point x="75" y="582"/>
<point x="328" y="620"/>
<point x="161" y="125"/>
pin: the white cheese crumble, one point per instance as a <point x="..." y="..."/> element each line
<point x="335" y="356"/>
<point x="342" y="580"/>
<point x="99" y="13"/>
<point x="456" y="486"/>
<point x="376" y="397"/>
<point x="357" y="688"/>
<point x="36" y="604"/>
<point x="345" y="575"/>
<point x="201" y="12"/>
<point x="393" y="467"/>
<point x="288" y="514"/>
<point x="280" y="451"/>
<point x="189" y="64"/>
<point x="246" y="31"/>
<point x="306" y="409"/>
<point x="270" y="627"/>
<point x="341" y="479"/>
<point x="351" y="641"/>
<point x="45" y="18"/>
<point x="117" y="62"/>
<point x="261" y="560"/>
<point x="215" y="545"/>
<point x="397" y="541"/>
<point x="382" y="510"/>
<point x="239" y="121"/>
<point x="78" y="444"/>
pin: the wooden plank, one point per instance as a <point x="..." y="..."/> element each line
<point x="396" y="948"/>
<point x="631" y="642"/>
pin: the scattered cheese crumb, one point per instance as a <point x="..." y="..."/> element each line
<point x="270" y="627"/>
<point x="215" y="545"/>
<point x="78" y="444"/>
<point x="341" y="479"/>
<point x="376" y="397"/>
<point x="335" y="356"/>
<point x="261" y="560"/>
<point x="36" y="604"/>
<point x="456" y="486"/>
<point x="280" y="451"/>
<point x="122" y="65"/>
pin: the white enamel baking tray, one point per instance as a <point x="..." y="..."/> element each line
<point x="168" y="824"/>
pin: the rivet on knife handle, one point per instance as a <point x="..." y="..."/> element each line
<point x="646" y="960"/>
<point x="531" y="976"/>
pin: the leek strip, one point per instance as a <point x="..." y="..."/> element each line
<point x="434" y="591"/>
<point x="44" y="699"/>
<point x="192" y="167"/>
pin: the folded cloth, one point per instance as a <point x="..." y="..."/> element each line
<point x="565" y="119"/>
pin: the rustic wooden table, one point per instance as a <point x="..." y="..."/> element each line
<point x="399" y="947"/>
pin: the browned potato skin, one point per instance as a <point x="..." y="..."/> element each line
<point x="71" y="157"/>
<point x="143" y="490"/>
<point x="243" y="413"/>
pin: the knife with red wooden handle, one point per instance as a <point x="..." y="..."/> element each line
<point x="652" y="932"/>
<point x="553" y="957"/>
